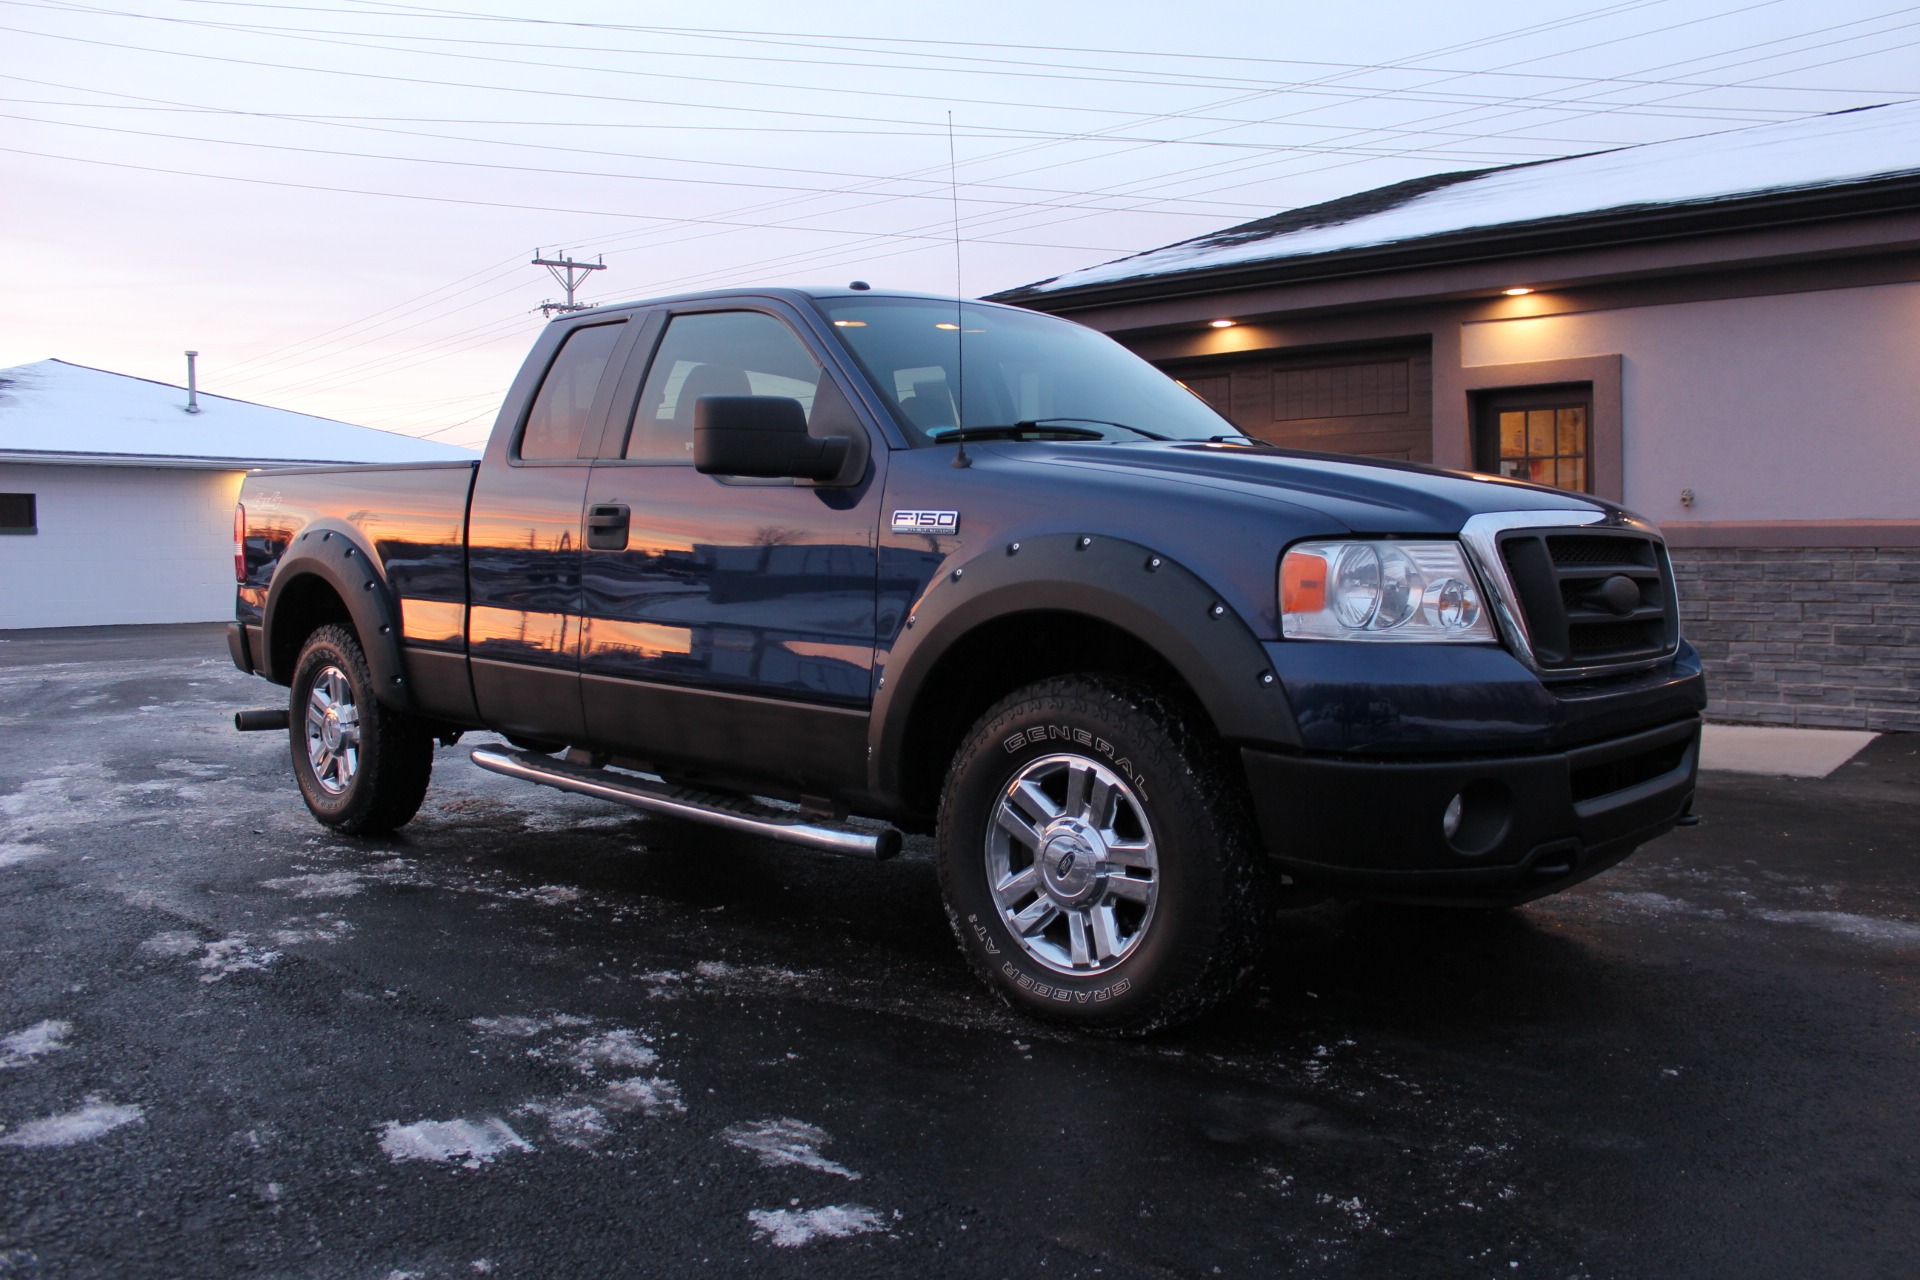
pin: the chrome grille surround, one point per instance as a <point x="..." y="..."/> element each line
<point x="1481" y="536"/>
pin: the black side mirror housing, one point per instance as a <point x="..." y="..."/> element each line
<point x="761" y="436"/>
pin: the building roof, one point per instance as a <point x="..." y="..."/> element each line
<point x="53" y="411"/>
<point x="1820" y="154"/>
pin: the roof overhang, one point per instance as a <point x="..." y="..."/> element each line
<point x="1491" y="247"/>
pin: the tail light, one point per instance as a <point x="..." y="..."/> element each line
<point x="239" y="543"/>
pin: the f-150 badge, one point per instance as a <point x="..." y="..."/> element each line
<point x="926" y="522"/>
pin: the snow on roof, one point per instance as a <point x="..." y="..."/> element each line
<point x="72" y="412"/>
<point x="1847" y="146"/>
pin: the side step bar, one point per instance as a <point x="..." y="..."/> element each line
<point x="736" y="813"/>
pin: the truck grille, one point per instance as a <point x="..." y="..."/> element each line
<point x="1593" y="597"/>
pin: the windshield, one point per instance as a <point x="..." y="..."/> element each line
<point x="1022" y="369"/>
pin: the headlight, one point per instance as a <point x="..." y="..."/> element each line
<point x="1416" y="591"/>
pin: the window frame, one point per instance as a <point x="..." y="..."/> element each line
<point x="1489" y="405"/>
<point x="625" y="404"/>
<point x="595" y="427"/>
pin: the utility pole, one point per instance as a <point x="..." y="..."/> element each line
<point x="569" y="275"/>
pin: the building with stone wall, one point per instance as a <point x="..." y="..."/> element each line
<point x="1721" y="333"/>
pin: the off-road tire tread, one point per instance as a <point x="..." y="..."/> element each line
<point x="396" y="749"/>
<point x="1195" y="757"/>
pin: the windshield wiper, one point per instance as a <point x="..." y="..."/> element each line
<point x="1139" y="431"/>
<point x="960" y="435"/>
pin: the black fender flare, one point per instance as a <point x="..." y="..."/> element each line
<point x="1143" y="592"/>
<point x="335" y="553"/>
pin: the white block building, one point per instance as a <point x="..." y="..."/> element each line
<point x="116" y="505"/>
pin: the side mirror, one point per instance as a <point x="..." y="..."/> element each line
<point x="762" y="436"/>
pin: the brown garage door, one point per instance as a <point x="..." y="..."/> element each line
<point x="1376" y="402"/>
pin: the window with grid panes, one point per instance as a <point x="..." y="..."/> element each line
<point x="1542" y="435"/>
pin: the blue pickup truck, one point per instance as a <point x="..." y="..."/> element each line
<point x="828" y="565"/>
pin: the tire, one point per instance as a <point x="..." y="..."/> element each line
<point x="1097" y="798"/>
<point x="363" y="767"/>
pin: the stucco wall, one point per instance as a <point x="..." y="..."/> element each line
<point x="119" y="544"/>
<point x="1801" y="406"/>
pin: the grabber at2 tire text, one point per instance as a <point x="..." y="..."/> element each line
<point x="363" y="767"/>
<point x="1097" y="857"/>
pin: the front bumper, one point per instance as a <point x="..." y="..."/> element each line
<point x="1531" y="825"/>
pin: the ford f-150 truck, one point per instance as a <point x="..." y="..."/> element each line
<point x="826" y="565"/>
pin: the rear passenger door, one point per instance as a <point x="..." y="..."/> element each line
<point x="729" y="623"/>
<point x="524" y="535"/>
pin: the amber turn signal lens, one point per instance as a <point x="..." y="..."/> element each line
<point x="1303" y="583"/>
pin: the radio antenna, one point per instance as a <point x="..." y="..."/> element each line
<point x="960" y="458"/>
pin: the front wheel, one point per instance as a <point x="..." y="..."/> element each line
<point x="363" y="767"/>
<point x="1097" y="857"/>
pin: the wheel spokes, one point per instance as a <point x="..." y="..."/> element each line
<point x="1037" y="916"/>
<point x="1129" y="889"/>
<point x="1106" y="931"/>
<point x="1077" y="939"/>
<point x="1017" y="826"/>
<point x="1015" y="888"/>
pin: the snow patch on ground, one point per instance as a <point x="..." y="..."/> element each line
<point x="295" y="930"/>
<point x="791" y="1228"/>
<point x="621" y="1050"/>
<point x="12" y="854"/>
<point x="174" y="942"/>
<point x="576" y="1124"/>
<point x="22" y="1047"/>
<point x="242" y="952"/>
<point x="520" y="1027"/>
<point x="224" y="957"/>
<point x="470" y="1143"/>
<point x="785" y="1141"/>
<point x="586" y="1118"/>
<point x="319" y="884"/>
<point x="1898" y="933"/>
<point x="651" y="1095"/>
<point x="90" y="1120"/>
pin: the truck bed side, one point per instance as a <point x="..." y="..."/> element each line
<point x="380" y="547"/>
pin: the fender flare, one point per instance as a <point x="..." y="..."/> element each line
<point x="334" y="553"/>
<point x="1145" y="593"/>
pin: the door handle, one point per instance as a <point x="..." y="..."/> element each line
<point x="607" y="526"/>
<point x="610" y="516"/>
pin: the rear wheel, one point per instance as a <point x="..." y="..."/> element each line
<point x="363" y="767"/>
<point x="1098" y="859"/>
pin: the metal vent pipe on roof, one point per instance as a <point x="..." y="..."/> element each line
<point x="193" y="395"/>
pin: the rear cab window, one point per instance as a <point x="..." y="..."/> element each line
<point x="561" y="410"/>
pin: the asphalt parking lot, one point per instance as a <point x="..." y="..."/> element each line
<point x="538" y="1036"/>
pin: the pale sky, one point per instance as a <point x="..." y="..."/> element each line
<point x="335" y="201"/>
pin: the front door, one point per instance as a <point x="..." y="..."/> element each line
<point x="730" y="622"/>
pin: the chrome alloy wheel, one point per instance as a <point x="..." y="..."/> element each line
<point x="1072" y="864"/>
<point x="333" y="731"/>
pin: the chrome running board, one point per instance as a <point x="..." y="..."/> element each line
<point x="736" y="813"/>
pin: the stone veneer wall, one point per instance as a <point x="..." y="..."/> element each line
<point x="1821" y="637"/>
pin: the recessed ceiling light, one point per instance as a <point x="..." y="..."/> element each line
<point x="1518" y="291"/>
<point x="1225" y="324"/>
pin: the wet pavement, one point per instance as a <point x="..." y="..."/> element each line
<point x="535" y="1035"/>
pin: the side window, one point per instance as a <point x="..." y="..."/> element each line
<point x="559" y="416"/>
<point x="18" y="514"/>
<point x="722" y="353"/>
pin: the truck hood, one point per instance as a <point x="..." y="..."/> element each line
<point x="1372" y="497"/>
